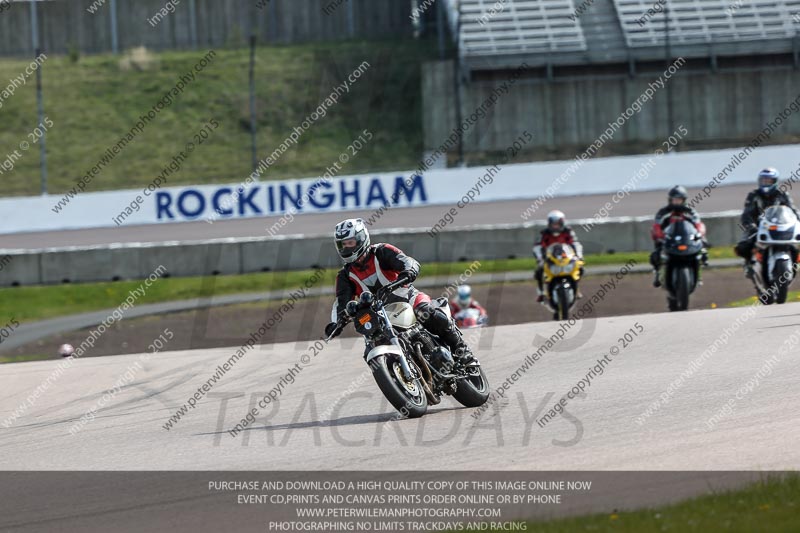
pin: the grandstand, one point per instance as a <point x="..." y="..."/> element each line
<point x="493" y="34"/>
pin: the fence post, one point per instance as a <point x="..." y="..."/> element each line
<point x="253" y="100"/>
<point x="193" y="24"/>
<point x="351" y="27"/>
<point x="113" y="20"/>
<point x="34" y="27"/>
<point x="40" y="112"/>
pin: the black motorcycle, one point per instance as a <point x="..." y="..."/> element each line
<point x="412" y="367"/>
<point x="682" y="255"/>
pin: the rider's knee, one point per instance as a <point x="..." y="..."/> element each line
<point x="432" y="317"/>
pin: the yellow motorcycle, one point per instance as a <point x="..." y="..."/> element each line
<point x="562" y="271"/>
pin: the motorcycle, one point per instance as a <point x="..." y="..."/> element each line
<point x="682" y="256"/>
<point x="562" y="271"/>
<point x="470" y="319"/>
<point x="412" y="367"/>
<point x="775" y="253"/>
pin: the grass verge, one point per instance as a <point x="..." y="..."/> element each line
<point x="47" y="301"/>
<point x="94" y="101"/>
<point x="770" y="505"/>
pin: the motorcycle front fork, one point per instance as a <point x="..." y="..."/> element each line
<point x="662" y="273"/>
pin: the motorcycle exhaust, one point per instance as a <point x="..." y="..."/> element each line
<point x="427" y="378"/>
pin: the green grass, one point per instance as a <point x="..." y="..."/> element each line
<point x="39" y="302"/>
<point x="771" y="505"/>
<point x="96" y="100"/>
<point x="24" y="358"/>
<point x="793" y="296"/>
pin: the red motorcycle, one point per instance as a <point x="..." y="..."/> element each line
<point x="470" y="319"/>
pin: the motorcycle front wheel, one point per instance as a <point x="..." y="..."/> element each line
<point x="780" y="275"/>
<point x="683" y="287"/>
<point x="562" y="306"/>
<point x="408" y="397"/>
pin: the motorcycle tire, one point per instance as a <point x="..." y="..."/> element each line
<point x="408" y="398"/>
<point x="779" y="274"/>
<point x="474" y="390"/>
<point x="562" y="310"/>
<point x="683" y="287"/>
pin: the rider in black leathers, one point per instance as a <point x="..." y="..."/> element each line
<point x="767" y="194"/>
<point x="676" y="199"/>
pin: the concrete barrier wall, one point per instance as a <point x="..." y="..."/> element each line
<point x="240" y="256"/>
<point x="572" y="112"/>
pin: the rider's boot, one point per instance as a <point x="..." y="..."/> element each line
<point x="656" y="279"/>
<point x="749" y="273"/>
<point x="452" y="337"/>
<point x="539" y="296"/>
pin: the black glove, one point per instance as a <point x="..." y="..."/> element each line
<point x="330" y="328"/>
<point x="410" y="275"/>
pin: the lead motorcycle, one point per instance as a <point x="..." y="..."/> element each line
<point x="412" y="367"/>
<point x="682" y="255"/>
<point x="777" y="237"/>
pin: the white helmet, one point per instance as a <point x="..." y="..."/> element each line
<point x="352" y="239"/>
<point x="66" y="350"/>
<point x="556" y="217"/>
<point x="464" y="296"/>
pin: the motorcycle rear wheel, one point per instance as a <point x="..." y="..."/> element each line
<point x="474" y="390"/>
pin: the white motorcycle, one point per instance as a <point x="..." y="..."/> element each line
<point x="412" y="367"/>
<point x="777" y="237"/>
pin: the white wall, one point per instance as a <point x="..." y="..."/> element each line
<point x="528" y="180"/>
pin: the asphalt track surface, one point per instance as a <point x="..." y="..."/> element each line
<point x="597" y="432"/>
<point x="724" y="198"/>
<point x="604" y="430"/>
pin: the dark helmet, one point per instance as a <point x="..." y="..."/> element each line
<point x="768" y="180"/>
<point x="352" y="239"/>
<point x="678" y="192"/>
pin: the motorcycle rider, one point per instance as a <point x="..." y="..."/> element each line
<point x="556" y="231"/>
<point x="464" y="300"/>
<point x="757" y="201"/>
<point x="369" y="267"/>
<point x="676" y="206"/>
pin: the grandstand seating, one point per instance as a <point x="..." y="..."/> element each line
<point x="497" y="27"/>
<point x="502" y="33"/>
<point x="707" y="21"/>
